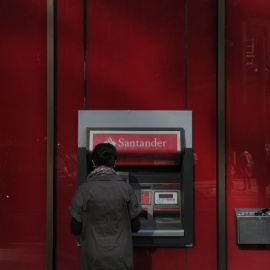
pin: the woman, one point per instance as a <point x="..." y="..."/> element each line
<point x="104" y="211"/>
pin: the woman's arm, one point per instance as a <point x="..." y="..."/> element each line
<point x="135" y="224"/>
<point x="75" y="226"/>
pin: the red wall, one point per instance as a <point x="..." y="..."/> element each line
<point x="23" y="134"/>
<point x="136" y="60"/>
<point x="136" y="55"/>
<point x="70" y="98"/>
<point x="201" y="94"/>
<point x="248" y="117"/>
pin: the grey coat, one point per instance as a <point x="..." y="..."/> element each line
<point x="104" y="205"/>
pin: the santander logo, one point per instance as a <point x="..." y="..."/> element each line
<point x="110" y="140"/>
<point x="128" y="143"/>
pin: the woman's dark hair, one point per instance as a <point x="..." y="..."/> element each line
<point x="104" y="154"/>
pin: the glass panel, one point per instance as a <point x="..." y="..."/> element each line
<point x="136" y="60"/>
<point x="136" y="54"/>
<point x="23" y="135"/>
<point x="70" y="98"/>
<point x="248" y="117"/>
<point x="202" y="101"/>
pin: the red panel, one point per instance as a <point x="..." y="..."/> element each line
<point x="136" y="54"/>
<point x="248" y="117"/>
<point x="202" y="101"/>
<point x="23" y="134"/>
<point x="159" y="258"/>
<point x="70" y="98"/>
<point x="136" y="60"/>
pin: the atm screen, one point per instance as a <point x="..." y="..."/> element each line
<point x="165" y="196"/>
<point x="141" y="147"/>
<point x="168" y="197"/>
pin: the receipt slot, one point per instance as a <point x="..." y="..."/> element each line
<point x="155" y="156"/>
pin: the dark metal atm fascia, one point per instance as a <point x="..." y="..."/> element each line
<point x="185" y="173"/>
<point x="186" y="191"/>
<point x="89" y="118"/>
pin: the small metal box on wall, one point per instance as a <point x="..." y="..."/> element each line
<point x="252" y="226"/>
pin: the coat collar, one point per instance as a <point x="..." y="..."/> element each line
<point x="104" y="177"/>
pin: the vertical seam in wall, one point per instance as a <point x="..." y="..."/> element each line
<point x="186" y="91"/>
<point x="84" y="49"/>
<point x="221" y="140"/>
<point x="50" y="133"/>
<point x="186" y="55"/>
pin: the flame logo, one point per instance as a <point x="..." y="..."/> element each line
<point x="110" y="140"/>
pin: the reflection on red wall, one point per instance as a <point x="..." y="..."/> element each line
<point x="248" y="117"/>
<point x="202" y="101"/>
<point x="136" y="54"/>
<point x="136" y="60"/>
<point x="70" y="98"/>
<point x="23" y="135"/>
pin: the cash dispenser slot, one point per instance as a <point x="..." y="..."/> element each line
<point x="166" y="213"/>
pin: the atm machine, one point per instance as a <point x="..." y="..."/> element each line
<point x="155" y="156"/>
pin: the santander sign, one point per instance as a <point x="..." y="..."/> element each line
<point x="122" y="142"/>
<point x="140" y="147"/>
